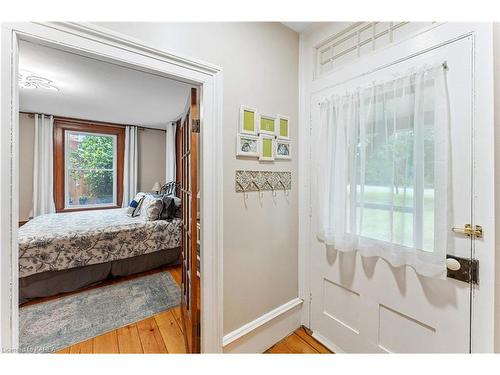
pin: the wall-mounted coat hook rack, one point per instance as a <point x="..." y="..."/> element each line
<point x="246" y="181"/>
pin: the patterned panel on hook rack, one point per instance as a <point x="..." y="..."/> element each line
<point x="262" y="180"/>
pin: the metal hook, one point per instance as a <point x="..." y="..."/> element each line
<point x="245" y="194"/>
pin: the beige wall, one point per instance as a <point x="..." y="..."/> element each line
<point x="260" y="67"/>
<point x="26" y="143"/>
<point x="150" y="148"/>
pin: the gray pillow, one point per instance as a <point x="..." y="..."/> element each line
<point x="168" y="211"/>
<point x="151" y="208"/>
<point x="177" y="211"/>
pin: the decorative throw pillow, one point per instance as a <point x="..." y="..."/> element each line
<point x="134" y="207"/>
<point x="177" y="211"/>
<point x="151" y="208"/>
<point x="168" y="211"/>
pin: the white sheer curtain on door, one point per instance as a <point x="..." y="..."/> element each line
<point x="43" y="167"/>
<point x="383" y="170"/>
<point x="130" y="165"/>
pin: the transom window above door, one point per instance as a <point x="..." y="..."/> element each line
<point x="88" y="165"/>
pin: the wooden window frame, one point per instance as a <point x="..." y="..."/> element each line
<point x="61" y="125"/>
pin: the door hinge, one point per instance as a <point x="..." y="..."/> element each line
<point x="462" y="269"/>
<point x="195" y="125"/>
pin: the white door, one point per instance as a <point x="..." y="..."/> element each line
<point x="365" y="305"/>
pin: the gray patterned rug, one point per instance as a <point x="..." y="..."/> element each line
<point x="53" y="325"/>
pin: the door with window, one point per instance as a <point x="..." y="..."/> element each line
<point x="401" y="178"/>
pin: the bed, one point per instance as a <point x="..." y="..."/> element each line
<point x="66" y="251"/>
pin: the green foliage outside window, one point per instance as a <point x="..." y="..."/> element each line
<point x="93" y="160"/>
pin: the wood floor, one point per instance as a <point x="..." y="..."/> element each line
<point x="299" y="342"/>
<point x="162" y="333"/>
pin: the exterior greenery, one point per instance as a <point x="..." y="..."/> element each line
<point x="92" y="163"/>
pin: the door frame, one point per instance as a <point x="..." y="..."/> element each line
<point x="483" y="297"/>
<point x="92" y="40"/>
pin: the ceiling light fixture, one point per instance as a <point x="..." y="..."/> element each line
<point x="29" y="80"/>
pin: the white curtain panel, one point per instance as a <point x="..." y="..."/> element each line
<point x="383" y="169"/>
<point x="170" y="149"/>
<point x="130" y="165"/>
<point x="43" y="167"/>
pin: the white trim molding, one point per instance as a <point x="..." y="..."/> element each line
<point x="263" y="332"/>
<point x="92" y="40"/>
<point x="330" y="345"/>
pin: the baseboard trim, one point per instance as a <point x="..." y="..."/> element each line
<point x="330" y="345"/>
<point x="263" y="332"/>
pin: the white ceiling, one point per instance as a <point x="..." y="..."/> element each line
<point x="95" y="90"/>
<point x="297" y="26"/>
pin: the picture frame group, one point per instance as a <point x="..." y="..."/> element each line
<point x="264" y="136"/>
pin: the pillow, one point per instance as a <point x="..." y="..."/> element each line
<point x="151" y="208"/>
<point x="177" y="211"/>
<point x="134" y="207"/>
<point x="168" y="211"/>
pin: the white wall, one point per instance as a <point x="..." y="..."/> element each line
<point x="150" y="149"/>
<point x="260" y="67"/>
<point x="496" y="49"/>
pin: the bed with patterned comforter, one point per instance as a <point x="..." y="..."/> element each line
<point x="63" y="241"/>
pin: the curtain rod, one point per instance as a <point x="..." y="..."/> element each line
<point x="32" y="114"/>
<point x="444" y="65"/>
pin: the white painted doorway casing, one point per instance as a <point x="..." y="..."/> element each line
<point x="103" y="44"/>
<point x="365" y="305"/>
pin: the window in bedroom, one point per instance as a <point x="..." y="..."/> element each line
<point x="88" y="165"/>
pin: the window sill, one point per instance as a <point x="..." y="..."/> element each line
<point x="87" y="209"/>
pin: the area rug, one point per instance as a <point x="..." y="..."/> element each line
<point x="53" y="325"/>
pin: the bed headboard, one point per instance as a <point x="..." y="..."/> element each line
<point x="171" y="188"/>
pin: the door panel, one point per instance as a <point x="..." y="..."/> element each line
<point x="366" y="305"/>
<point x="190" y="241"/>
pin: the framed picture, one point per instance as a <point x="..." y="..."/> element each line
<point x="283" y="149"/>
<point x="247" y="145"/>
<point x="283" y="125"/>
<point x="266" y="147"/>
<point x="248" y="120"/>
<point x="267" y="125"/>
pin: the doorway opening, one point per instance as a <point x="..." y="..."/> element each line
<point x="93" y="188"/>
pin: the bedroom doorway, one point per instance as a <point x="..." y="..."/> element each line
<point x="194" y="285"/>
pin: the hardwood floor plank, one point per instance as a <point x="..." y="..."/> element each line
<point x="279" y="348"/>
<point x="299" y="342"/>
<point x="84" y="347"/>
<point x="63" y="351"/>
<point x="320" y="348"/>
<point x="151" y="339"/>
<point x="106" y="343"/>
<point x="176" y="311"/>
<point x="171" y="332"/>
<point x="128" y="340"/>
<point x="298" y="346"/>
